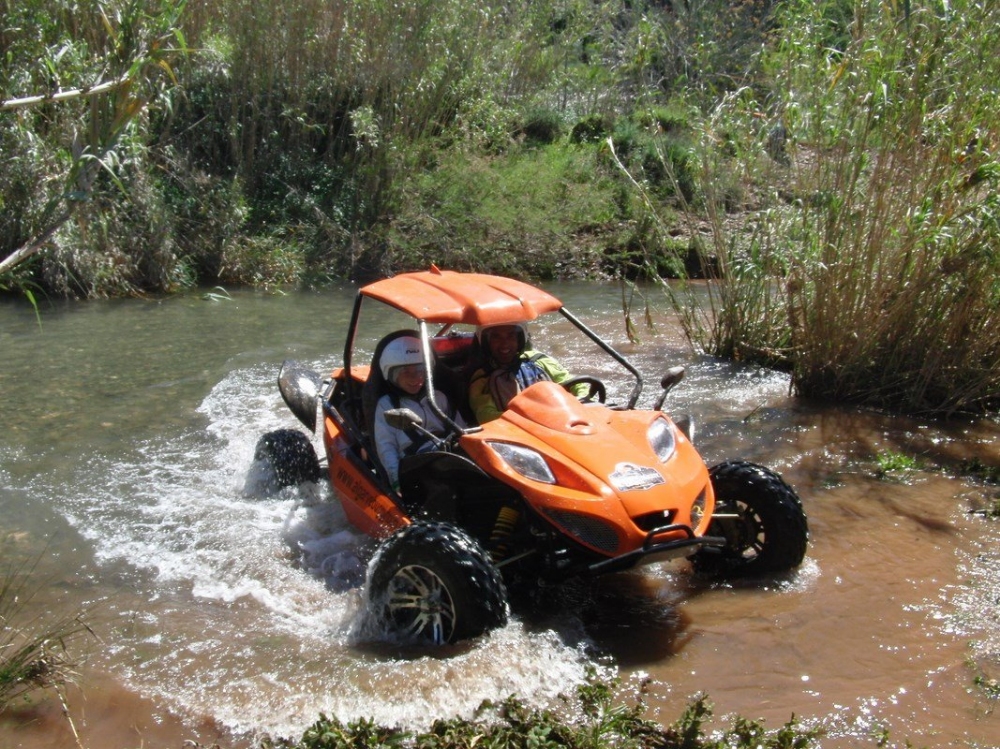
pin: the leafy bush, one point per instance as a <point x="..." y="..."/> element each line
<point x="542" y="125"/>
<point x="598" y="724"/>
<point x="80" y="82"/>
<point x="591" y="129"/>
<point x="545" y="212"/>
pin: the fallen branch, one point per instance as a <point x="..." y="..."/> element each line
<point x="25" y="251"/>
<point x="73" y="93"/>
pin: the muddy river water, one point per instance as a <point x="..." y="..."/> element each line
<point x="126" y="433"/>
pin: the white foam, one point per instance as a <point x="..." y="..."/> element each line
<point x="247" y="604"/>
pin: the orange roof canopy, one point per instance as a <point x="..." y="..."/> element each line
<point x="439" y="296"/>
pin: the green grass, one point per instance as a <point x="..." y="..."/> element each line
<point x="893" y="463"/>
<point x="541" y="212"/>
<point x="34" y="650"/>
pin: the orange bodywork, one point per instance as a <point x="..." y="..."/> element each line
<point x="584" y="445"/>
<point x="607" y="475"/>
<point x="473" y="298"/>
<point x="366" y="506"/>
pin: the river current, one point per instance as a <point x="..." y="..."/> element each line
<point x="128" y="430"/>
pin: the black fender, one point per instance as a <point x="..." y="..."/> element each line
<point x="419" y="473"/>
<point x="447" y="486"/>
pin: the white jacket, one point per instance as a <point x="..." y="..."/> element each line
<point x="391" y="443"/>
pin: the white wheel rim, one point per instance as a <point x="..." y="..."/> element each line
<point x="420" y="603"/>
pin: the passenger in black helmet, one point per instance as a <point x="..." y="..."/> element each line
<point x="402" y="366"/>
<point x="510" y="367"/>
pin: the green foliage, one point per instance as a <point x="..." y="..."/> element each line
<point x="70" y="106"/>
<point x="870" y="268"/>
<point x="671" y="117"/>
<point x="893" y="461"/>
<point x="313" y="119"/>
<point x="895" y="465"/>
<point x="542" y="125"/>
<point x="115" y="247"/>
<point x="646" y="255"/>
<point x="703" y="48"/>
<point x="330" y="733"/>
<point x="544" y="211"/>
<point x="263" y="261"/>
<point x="591" y="129"/>
<point x="598" y="723"/>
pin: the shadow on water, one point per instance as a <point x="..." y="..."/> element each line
<point x="636" y="619"/>
<point x="610" y="616"/>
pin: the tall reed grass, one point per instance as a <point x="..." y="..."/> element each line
<point x="870" y="265"/>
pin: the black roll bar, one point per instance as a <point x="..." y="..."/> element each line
<point x="637" y="388"/>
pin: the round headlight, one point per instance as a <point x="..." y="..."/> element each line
<point x="661" y="438"/>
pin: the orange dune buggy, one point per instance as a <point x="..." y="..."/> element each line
<point x="557" y="486"/>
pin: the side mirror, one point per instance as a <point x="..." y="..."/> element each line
<point x="672" y="376"/>
<point x="669" y="380"/>
<point x="299" y="387"/>
<point x="403" y="418"/>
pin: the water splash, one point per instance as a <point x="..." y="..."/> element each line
<point x="244" y="607"/>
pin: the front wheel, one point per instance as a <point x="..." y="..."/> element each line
<point x="761" y="518"/>
<point x="432" y="583"/>
<point x="289" y="456"/>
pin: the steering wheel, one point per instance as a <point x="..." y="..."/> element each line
<point x="597" y="388"/>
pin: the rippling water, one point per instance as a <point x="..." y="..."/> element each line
<point x="129" y="429"/>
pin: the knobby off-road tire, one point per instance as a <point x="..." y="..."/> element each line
<point x="431" y="583"/>
<point x="290" y="456"/>
<point x="769" y="533"/>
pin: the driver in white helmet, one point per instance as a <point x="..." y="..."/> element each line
<point x="510" y="367"/>
<point x="402" y="367"/>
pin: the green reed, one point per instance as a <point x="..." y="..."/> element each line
<point x="34" y="654"/>
<point x="869" y="264"/>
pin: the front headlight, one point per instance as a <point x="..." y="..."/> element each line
<point x="527" y="462"/>
<point x="661" y="438"/>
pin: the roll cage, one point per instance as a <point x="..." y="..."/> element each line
<point x="448" y="298"/>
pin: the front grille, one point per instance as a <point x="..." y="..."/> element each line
<point x="653" y="520"/>
<point x="586" y="529"/>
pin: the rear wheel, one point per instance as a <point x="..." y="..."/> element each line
<point x="761" y="518"/>
<point x="289" y="455"/>
<point x="432" y="583"/>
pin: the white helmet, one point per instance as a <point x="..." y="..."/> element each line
<point x="400" y="352"/>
